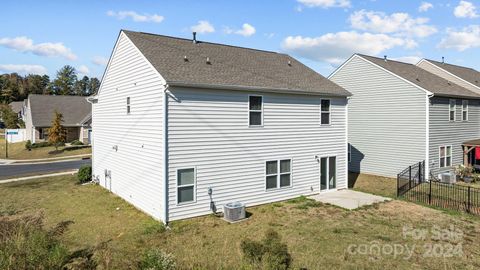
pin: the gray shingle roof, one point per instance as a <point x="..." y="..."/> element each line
<point x="74" y="109"/>
<point x="428" y="81"/>
<point x="229" y="66"/>
<point x="468" y="74"/>
<point x="16" y="106"/>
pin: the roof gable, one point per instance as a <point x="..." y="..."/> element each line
<point x="73" y="108"/>
<point x="185" y="62"/>
<point x="422" y="78"/>
<point x="467" y="74"/>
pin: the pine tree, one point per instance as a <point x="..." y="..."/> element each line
<point x="56" y="133"/>
<point x="65" y="81"/>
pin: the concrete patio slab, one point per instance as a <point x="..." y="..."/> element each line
<point x="349" y="199"/>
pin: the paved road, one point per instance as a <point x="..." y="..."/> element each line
<point x="19" y="170"/>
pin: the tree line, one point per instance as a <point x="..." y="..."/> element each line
<point x="14" y="87"/>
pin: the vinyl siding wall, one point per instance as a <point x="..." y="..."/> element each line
<point x="136" y="168"/>
<point x="443" y="132"/>
<point x="386" y="119"/>
<point x="446" y="75"/>
<point x="209" y="130"/>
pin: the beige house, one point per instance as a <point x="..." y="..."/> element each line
<point x="40" y="111"/>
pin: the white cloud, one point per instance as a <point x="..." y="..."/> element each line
<point x="100" y="61"/>
<point x="247" y="30"/>
<point x="24" y="44"/>
<point x="465" y="10"/>
<point x="461" y="40"/>
<point x="408" y="59"/>
<point x="136" y="17"/>
<point x="23" y="69"/>
<point x="396" y="23"/>
<point x="326" y="3"/>
<point x="83" y="70"/>
<point x="425" y="6"/>
<point x="336" y="47"/>
<point x="203" y="27"/>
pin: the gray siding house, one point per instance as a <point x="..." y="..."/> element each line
<point x="401" y="114"/>
<point x="183" y="127"/>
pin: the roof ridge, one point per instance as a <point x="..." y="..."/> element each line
<point x="430" y="60"/>
<point x="204" y="42"/>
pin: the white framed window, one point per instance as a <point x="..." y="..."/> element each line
<point x="128" y="105"/>
<point x="186" y="181"/>
<point x="325" y="115"/>
<point x="278" y="174"/>
<point x="349" y="153"/>
<point x="255" y="110"/>
<point x="464" y="110"/>
<point x="452" y="108"/>
<point x="445" y="156"/>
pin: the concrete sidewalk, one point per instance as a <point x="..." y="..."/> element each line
<point x="349" y="199"/>
<point x="37" y="176"/>
<point x="42" y="160"/>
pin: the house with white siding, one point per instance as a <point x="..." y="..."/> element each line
<point x="184" y="126"/>
<point x="401" y="114"/>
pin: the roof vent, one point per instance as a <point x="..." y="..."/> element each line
<point x="185" y="58"/>
<point x="208" y="61"/>
<point x="443" y="60"/>
<point x="194" y="40"/>
<point x="385" y="58"/>
<point x="289" y="63"/>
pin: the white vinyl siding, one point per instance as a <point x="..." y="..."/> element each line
<point x="129" y="147"/>
<point x="207" y="128"/>
<point x="128" y="105"/>
<point x="387" y="119"/>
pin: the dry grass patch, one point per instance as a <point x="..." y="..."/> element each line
<point x="378" y="185"/>
<point x="18" y="151"/>
<point x="317" y="235"/>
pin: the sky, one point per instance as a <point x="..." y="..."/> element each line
<point x="40" y="37"/>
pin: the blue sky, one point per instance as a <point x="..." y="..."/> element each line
<point x="41" y="36"/>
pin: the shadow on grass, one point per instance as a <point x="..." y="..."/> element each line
<point x="352" y="179"/>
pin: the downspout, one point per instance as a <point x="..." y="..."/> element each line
<point x="427" y="135"/>
<point x="165" y="152"/>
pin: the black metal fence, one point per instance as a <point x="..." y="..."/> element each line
<point x="412" y="185"/>
<point x="410" y="177"/>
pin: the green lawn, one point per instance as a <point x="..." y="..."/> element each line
<point x="18" y="151"/>
<point x="317" y="235"/>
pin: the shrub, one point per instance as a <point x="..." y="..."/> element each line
<point x="155" y="259"/>
<point x="84" y="174"/>
<point x="270" y="253"/>
<point x="76" y="142"/>
<point x="28" y="145"/>
<point x="40" y="144"/>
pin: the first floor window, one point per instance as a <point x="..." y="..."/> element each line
<point x="325" y="112"/>
<point x="452" y="109"/>
<point x="278" y="173"/>
<point x="445" y="156"/>
<point x="186" y="185"/>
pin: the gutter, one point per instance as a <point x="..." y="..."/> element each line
<point x="252" y="88"/>
<point x="165" y="152"/>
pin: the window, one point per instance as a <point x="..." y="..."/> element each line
<point x="128" y="105"/>
<point x="324" y="112"/>
<point x="349" y="153"/>
<point x="278" y="173"/>
<point x="255" y="110"/>
<point x="464" y="110"/>
<point x="328" y="173"/>
<point x="452" y="109"/>
<point x="445" y="156"/>
<point x="43" y="133"/>
<point x="186" y="185"/>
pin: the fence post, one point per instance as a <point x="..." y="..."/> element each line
<point x="430" y="193"/>
<point x="468" y="203"/>
<point x="398" y="185"/>
<point x="409" y="177"/>
<point x="420" y="172"/>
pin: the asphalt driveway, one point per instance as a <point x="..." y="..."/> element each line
<point x="19" y="170"/>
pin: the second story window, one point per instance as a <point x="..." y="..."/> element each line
<point x="325" y="112"/>
<point x="128" y="105"/>
<point x="452" y="109"/>
<point x="255" y="110"/>
<point x="464" y="110"/>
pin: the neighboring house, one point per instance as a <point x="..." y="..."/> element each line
<point x="183" y="127"/>
<point x="466" y="77"/>
<point x="18" y="108"/>
<point x="401" y="114"/>
<point x="40" y="112"/>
